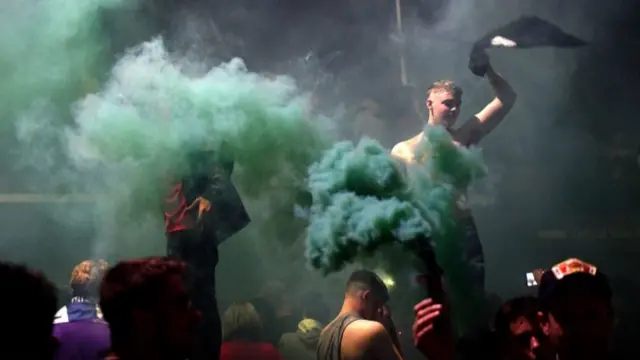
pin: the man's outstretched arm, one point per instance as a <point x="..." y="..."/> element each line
<point x="488" y="118"/>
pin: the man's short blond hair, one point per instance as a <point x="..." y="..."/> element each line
<point x="445" y="86"/>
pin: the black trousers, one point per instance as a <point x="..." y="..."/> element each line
<point x="474" y="253"/>
<point x="200" y="254"/>
<point x="475" y="310"/>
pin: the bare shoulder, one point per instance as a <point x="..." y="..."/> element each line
<point x="405" y="150"/>
<point x="360" y="334"/>
<point x="399" y="149"/>
<point x="365" y="339"/>
<point x="365" y="327"/>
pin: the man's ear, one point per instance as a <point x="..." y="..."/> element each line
<point x="365" y="295"/>
<point x="428" y="103"/>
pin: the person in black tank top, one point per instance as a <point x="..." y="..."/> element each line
<point x="365" y="298"/>
<point x="331" y="338"/>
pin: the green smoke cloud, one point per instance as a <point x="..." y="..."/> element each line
<point x="52" y="50"/>
<point x="141" y="119"/>
<point x="138" y="131"/>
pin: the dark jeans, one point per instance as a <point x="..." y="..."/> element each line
<point x="474" y="254"/>
<point x="475" y="309"/>
<point x="200" y="253"/>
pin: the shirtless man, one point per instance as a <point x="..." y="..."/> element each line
<point x="359" y="331"/>
<point x="444" y="100"/>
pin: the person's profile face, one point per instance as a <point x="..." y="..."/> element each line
<point x="373" y="305"/>
<point x="524" y="340"/>
<point x="444" y="108"/>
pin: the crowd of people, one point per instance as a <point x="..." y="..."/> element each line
<point x="141" y="309"/>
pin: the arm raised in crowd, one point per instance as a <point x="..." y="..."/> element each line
<point x="431" y="343"/>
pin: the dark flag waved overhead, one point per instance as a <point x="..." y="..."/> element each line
<point x="207" y="200"/>
<point x="523" y="33"/>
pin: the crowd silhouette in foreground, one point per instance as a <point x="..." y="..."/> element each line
<point x="140" y="309"/>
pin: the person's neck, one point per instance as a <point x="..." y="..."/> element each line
<point x="349" y="306"/>
<point x="433" y="122"/>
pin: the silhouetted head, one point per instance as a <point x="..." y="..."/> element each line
<point x="86" y="277"/>
<point x="579" y="313"/>
<point x="367" y="294"/>
<point x="444" y="100"/>
<point x="242" y="322"/>
<point x="147" y="307"/>
<point x="29" y="304"/>
<point x="518" y="329"/>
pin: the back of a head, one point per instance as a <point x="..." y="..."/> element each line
<point x="525" y="306"/>
<point x="131" y="285"/>
<point x="241" y="322"/>
<point x="29" y="304"/>
<point x="577" y="296"/>
<point x="366" y="280"/>
<point x="562" y="282"/>
<point x="86" y="277"/>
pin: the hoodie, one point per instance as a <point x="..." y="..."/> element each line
<point x="302" y="344"/>
<point x="81" y="332"/>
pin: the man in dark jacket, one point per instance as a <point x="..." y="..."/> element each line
<point x="202" y="210"/>
<point x="303" y="344"/>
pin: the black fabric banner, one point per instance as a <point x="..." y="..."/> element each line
<point x="524" y="33"/>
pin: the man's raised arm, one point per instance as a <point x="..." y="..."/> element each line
<point x="488" y="118"/>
